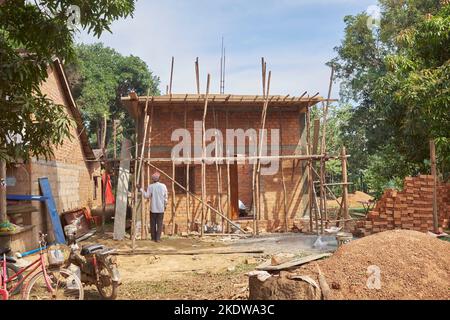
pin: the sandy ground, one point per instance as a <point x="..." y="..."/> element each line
<point x="202" y="276"/>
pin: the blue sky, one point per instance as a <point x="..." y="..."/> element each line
<point x="296" y="37"/>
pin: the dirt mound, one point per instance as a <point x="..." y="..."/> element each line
<point x="412" y="265"/>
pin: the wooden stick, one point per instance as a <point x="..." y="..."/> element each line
<point x="308" y="151"/>
<point x="171" y="76"/>
<point x="218" y="169"/>
<point x="134" y="183"/>
<point x="283" y="182"/>
<point x="205" y="110"/>
<point x="315" y="157"/>
<point x="173" y="199"/>
<point x="434" y="174"/>
<point x="323" y="196"/>
<point x="197" y="76"/>
<point x="316" y="211"/>
<point x="197" y="198"/>
<point x="188" y="199"/>
<point x="138" y="176"/>
<point x="190" y="253"/>
<point x="324" y="125"/>
<point x="258" y="162"/>
<point x="228" y="180"/>
<point x="345" y="185"/>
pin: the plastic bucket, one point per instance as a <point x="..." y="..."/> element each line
<point x="343" y="238"/>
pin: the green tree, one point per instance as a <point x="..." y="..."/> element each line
<point x="31" y="35"/>
<point x="396" y="78"/>
<point x="99" y="77"/>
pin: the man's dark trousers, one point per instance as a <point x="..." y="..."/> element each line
<point x="156" y="222"/>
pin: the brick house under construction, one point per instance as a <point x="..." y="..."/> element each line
<point x="289" y="184"/>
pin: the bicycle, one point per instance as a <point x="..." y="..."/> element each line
<point x="49" y="283"/>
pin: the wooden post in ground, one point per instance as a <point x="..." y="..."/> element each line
<point x="310" y="178"/>
<point x="283" y="182"/>
<point x="188" y="199"/>
<point x="205" y="110"/>
<point x="218" y="168"/>
<point x="3" y="215"/>
<point x="435" y="178"/>
<point x="134" y="193"/>
<point x="174" y="208"/>
<point x="344" y="185"/>
<point x="115" y="139"/>
<point x="228" y="179"/>
<point x="257" y="177"/>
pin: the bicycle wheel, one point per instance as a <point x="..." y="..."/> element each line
<point x="11" y="269"/>
<point x="65" y="284"/>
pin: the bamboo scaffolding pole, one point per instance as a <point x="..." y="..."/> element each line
<point x="205" y="110"/>
<point x="315" y="157"/>
<point x="255" y="180"/>
<point x="137" y="176"/>
<point x="310" y="178"/>
<point x="283" y="182"/>
<point x="316" y="211"/>
<point x="174" y="213"/>
<point x="188" y="198"/>
<point x="261" y="139"/>
<point x="197" y="198"/>
<point x="434" y="174"/>
<point x="228" y="180"/>
<point x="218" y="168"/>
<point x="171" y="75"/>
<point x="134" y="201"/>
<point x="345" y="185"/>
<point x="323" y="196"/>
<point x="325" y="113"/>
<point x="197" y="75"/>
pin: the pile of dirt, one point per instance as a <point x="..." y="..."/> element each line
<point x="412" y="265"/>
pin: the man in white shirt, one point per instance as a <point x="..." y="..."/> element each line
<point x="157" y="193"/>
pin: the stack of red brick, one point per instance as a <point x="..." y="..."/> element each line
<point x="411" y="208"/>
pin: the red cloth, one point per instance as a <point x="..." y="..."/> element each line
<point x="109" y="196"/>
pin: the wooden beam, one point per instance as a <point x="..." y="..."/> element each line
<point x="345" y="185"/>
<point x="434" y="174"/>
<point x="203" y="175"/>
<point x="171" y="76"/>
<point x="197" y="76"/>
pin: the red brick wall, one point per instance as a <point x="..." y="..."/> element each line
<point x="411" y="208"/>
<point x="166" y="120"/>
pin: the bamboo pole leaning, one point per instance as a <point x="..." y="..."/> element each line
<point x="138" y="174"/>
<point x="203" y="175"/>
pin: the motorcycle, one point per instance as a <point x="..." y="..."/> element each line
<point x="96" y="265"/>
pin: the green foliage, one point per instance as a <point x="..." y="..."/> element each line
<point x="31" y="35"/>
<point x="99" y="77"/>
<point x="397" y="79"/>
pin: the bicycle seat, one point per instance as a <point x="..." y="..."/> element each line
<point x="5" y="251"/>
<point x="91" y="248"/>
